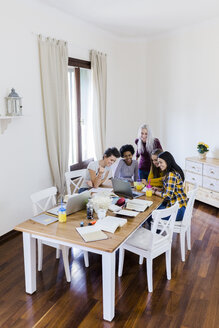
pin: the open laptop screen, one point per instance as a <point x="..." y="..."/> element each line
<point x="124" y="188"/>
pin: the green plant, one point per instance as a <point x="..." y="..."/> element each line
<point x="202" y="147"/>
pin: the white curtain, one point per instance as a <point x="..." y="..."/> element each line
<point x="54" y="80"/>
<point x="99" y="79"/>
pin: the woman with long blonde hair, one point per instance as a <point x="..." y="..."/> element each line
<point x="146" y="143"/>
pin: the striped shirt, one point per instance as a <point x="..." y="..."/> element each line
<point x="173" y="190"/>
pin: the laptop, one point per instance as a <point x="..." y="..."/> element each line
<point x="123" y="188"/>
<point x="74" y="204"/>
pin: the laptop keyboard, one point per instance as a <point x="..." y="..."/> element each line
<point x="136" y="194"/>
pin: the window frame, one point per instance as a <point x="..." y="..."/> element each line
<point x="77" y="64"/>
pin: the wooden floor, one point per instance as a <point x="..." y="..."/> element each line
<point x="189" y="300"/>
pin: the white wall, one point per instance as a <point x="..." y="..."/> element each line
<point x="183" y="89"/>
<point x="24" y="166"/>
<point x="171" y="83"/>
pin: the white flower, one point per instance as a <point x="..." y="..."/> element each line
<point x="101" y="200"/>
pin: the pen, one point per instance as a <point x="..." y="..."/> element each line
<point x="91" y="223"/>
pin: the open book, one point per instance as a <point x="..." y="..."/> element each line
<point x="139" y="205"/>
<point x="110" y="223"/>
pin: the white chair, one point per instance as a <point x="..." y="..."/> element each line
<point x="184" y="227"/>
<point x="77" y="176"/>
<point x="150" y="244"/>
<point x="42" y="201"/>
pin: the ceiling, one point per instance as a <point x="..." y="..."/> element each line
<point x="139" y="18"/>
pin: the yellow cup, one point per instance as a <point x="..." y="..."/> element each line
<point x="62" y="214"/>
<point x="139" y="187"/>
<point x="62" y="218"/>
<point x="148" y="193"/>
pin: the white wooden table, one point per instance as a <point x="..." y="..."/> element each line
<point x="66" y="234"/>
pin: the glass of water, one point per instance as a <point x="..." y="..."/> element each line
<point x="101" y="213"/>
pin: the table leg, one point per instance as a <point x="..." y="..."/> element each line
<point x="108" y="277"/>
<point x="29" y="245"/>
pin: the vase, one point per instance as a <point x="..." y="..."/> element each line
<point x="202" y="156"/>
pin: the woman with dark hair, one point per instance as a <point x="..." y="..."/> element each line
<point x="155" y="177"/>
<point x="99" y="172"/>
<point x="146" y="143"/>
<point x="172" y="190"/>
<point x="127" y="168"/>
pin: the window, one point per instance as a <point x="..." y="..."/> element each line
<point x="81" y="115"/>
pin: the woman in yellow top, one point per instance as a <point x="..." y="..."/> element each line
<point x="155" y="176"/>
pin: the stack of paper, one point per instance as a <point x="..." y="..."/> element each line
<point x="139" y="205"/>
<point x="110" y="223"/>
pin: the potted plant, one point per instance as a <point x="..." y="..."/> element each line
<point x="202" y="149"/>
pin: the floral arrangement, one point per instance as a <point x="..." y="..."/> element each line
<point x="101" y="200"/>
<point x="202" y="147"/>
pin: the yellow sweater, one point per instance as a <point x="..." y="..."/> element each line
<point x="155" y="182"/>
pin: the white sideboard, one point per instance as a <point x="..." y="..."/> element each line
<point x="204" y="173"/>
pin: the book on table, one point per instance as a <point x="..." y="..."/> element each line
<point x="91" y="233"/>
<point x="44" y="219"/>
<point x="139" y="205"/>
<point x="95" y="233"/>
<point x="127" y="213"/>
<point x="110" y="223"/>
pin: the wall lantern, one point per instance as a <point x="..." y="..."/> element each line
<point x="14" y="104"/>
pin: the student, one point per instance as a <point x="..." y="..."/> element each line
<point x="172" y="190"/>
<point x="155" y="177"/>
<point x="146" y="143"/>
<point x="127" y="168"/>
<point x="99" y="172"/>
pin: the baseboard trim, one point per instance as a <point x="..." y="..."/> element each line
<point x="9" y="235"/>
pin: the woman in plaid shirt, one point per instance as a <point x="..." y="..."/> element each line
<point x="172" y="190"/>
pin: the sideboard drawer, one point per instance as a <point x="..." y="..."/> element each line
<point x="208" y="196"/>
<point x="194" y="178"/>
<point x="194" y="167"/>
<point x="211" y="171"/>
<point x="211" y="184"/>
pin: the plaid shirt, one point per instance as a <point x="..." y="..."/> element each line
<point x="173" y="190"/>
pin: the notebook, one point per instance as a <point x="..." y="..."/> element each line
<point x="138" y="205"/>
<point x="110" y="223"/>
<point x="44" y="219"/>
<point x="91" y="233"/>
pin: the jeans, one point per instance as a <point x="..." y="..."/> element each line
<point x="82" y="189"/>
<point x="143" y="174"/>
<point x="179" y="215"/>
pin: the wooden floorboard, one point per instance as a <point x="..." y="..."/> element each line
<point x="189" y="300"/>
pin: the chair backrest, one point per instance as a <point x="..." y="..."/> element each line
<point x="78" y="176"/>
<point x="43" y="200"/>
<point x="189" y="207"/>
<point x="165" y="226"/>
